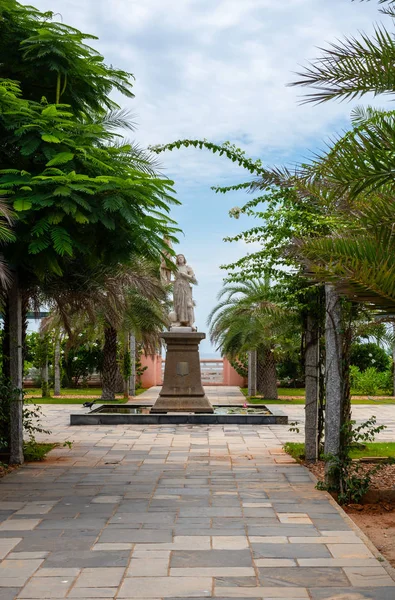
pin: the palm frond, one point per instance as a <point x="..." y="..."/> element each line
<point x="351" y="68"/>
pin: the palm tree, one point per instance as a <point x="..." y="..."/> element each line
<point x="248" y="317"/>
<point x="106" y="302"/>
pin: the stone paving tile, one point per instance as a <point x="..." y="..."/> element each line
<point x="87" y="559"/>
<point x="367" y="593"/>
<point x="19" y="524"/>
<point x="221" y="542"/>
<point x="100" y="577"/>
<point x="14" y="573"/>
<point x="173" y="587"/>
<point x="7" y="544"/>
<point x="375" y="576"/>
<point x="85" y="593"/>
<point x="47" y="587"/>
<point x="9" y="593"/>
<point x="177" y="512"/>
<point x="306" y="576"/>
<point x="211" y="558"/>
<point x="268" y="593"/>
<point x="290" y="551"/>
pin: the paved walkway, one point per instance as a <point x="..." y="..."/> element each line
<point x="134" y="512"/>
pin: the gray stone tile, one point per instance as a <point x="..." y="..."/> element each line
<point x="81" y="523"/>
<point x="8" y="593"/>
<point x="47" y="587"/>
<point x="290" y="551"/>
<point x="303" y="576"/>
<point x="211" y="558"/>
<point x="168" y="587"/>
<point x="55" y="541"/>
<point x="87" y="559"/>
<point x="146" y="536"/>
<point x="235" y="582"/>
<point x="378" y="593"/>
<point x="99" y="592"/>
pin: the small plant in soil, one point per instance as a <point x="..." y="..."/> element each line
<point x="352" y="480"/>
<point x="32" y="414"/>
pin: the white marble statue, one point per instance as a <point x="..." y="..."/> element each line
<point x="183" y="314"/>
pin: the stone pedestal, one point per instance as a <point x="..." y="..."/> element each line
<point x="182" y="389"/>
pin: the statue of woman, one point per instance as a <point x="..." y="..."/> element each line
<point x="182" y="294"/>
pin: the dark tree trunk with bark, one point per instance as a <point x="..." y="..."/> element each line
<point x="132" y="379"/>
<point x="333" y="378"/>
<point x="266" y="374"/>
<point x="6" y="340"/>
<point x="252" y="372"/>
<point x="110" y="365"/>
<point x="312" y="379"/>
<point x="25" y="322"/>
<point x="119" y="382"/>
<point x="16" y="371"/>
<point x="56" y="366"/>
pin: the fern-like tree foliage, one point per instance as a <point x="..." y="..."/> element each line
<point x="82" y="195"/>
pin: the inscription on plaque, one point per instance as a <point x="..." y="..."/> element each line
<point x="182" y="369"/>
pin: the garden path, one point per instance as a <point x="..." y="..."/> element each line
<point x="135" y="512"/>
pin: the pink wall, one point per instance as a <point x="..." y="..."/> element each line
<point x="153" y="374"/>
<point x="231" y="377"/>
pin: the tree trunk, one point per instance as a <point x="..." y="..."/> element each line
<point x="110" y="365"/>
<point x="25" y="324"/>
<point x="312" y="379"/>
<point x="6" y="340"/>
<point x="119" y="382"/>
<point x="333" y="377"/>
<point x="126" y="376"/>
<point x="44" y="365"/>
<point x="267" y="374"/>
<point x="393" y="360"/>
<point x="252" y="379"/>
<point x="132" y="379"/>
<point x="16" y="371"/>
<point x="56" y="366"/>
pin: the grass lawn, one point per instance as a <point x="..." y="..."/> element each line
<point x="384" y="449"/>
<point x="68" y="396"/>
<point x="298" y="397"/>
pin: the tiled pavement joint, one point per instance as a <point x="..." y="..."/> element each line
<point x="169" y="512"/>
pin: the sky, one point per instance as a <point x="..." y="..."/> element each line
<point x="219" y="69"/>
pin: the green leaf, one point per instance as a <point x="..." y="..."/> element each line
<point x="56" y="218"/>
<point x="60" y="159"/>
<point x="22" y="204"/>
<point x="62" y="190"/>
<point x="80" y="218"/>
<point x="50" y="111"/>
<point x="61" y="241"/>
<point x="37" y="246"/>
<point x="52" y="139"/>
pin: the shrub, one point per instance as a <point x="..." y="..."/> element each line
<point x="31" y="415"/>
<point x="368" y="355"/>
<point x="352" y="480"/>
<point x="370" y="382"/>
<point x="33" y="451"/>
